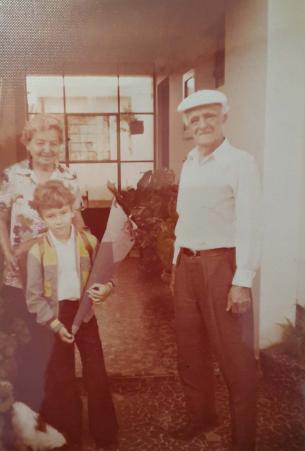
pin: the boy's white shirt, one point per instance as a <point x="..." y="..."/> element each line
<point x="68" y="276"/>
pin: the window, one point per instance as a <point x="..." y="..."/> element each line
<point x="188" y="88"/>
<point x="188" y="83"/>
<point x="108" y="122"/>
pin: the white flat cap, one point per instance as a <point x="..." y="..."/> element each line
<point x="203" y="97"/>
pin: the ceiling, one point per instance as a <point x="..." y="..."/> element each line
<point x="83" y="33"/>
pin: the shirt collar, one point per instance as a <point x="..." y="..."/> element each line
<point x="60" y="171"/>
<point x="57" y="242"/>
<point x="219" y="153"/>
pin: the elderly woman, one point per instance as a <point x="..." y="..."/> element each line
<point x="19" y="225"/>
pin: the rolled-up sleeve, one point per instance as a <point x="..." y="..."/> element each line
<point x="248" y="222"/>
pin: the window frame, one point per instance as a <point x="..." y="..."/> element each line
<point x="118" y="161"/>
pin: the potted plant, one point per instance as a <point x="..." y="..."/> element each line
<point x="152" y="207"/>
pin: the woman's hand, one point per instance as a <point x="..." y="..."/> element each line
<point x="98" y="292"/>
<point x="23" y="248"/>
<point x="11" y="260"/>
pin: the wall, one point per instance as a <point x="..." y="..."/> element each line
<point x="284" y="165"/>
<point x="245" y="74"/>
<point x="264" y="81"/>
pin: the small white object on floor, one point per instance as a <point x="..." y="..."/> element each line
<point x="212" y="437"/>
<point x="24" y="422"/>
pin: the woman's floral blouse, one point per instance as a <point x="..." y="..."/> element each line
<point x="17" y="185"/>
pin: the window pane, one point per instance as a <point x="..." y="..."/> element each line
<point x="91" y="94"/>
<point x="137" y="137"/>
<point x="93" y="178"/>
<point x="92" y="137"/>
<point x="132" y="172"/>
<point x="136" y="94"/>
<point x="45" y="94"/>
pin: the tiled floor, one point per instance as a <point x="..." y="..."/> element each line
<point x="137" y="330"/>
<point x="136" y="325"/>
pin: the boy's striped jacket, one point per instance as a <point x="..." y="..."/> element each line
<point x="41" y="285"/>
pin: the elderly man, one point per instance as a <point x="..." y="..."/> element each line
<point x="215" y="260"/>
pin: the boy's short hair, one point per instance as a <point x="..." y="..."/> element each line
<point x="52" y="194"/>
<point x="41" y="123"/>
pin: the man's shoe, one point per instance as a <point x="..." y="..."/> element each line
<point x="194" y="428"/>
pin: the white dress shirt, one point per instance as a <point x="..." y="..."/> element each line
<point x="68" y="278"/>
<point x="219" y="206"/>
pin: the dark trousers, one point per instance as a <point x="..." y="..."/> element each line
<point x="33" y="349"/>
<point x="62" y="404"/>
<point x="204" y="326"/>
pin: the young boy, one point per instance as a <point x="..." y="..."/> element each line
<point x="58" y="267"/>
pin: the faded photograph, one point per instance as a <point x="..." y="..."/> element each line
<point x="152" y="225"/>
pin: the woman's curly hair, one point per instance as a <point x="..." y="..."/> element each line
<point x="41" y="123"/>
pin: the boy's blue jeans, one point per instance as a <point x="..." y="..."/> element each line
<point x="62" y="404"/>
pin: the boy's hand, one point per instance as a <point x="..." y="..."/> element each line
<point x="98" y="292"/>
<point x="65" y="335"/>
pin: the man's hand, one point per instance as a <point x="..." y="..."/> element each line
<point x="98" y="292"/>
<point x="172" y="279"/>
<point x="65" y="335"/>
<point x="239" y="299"/>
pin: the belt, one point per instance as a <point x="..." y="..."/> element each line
<point x="193" y="253"/>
